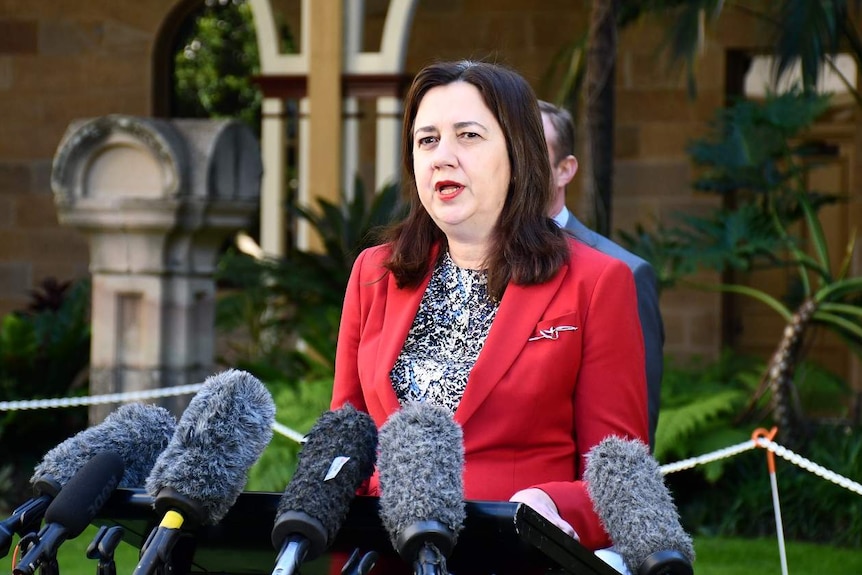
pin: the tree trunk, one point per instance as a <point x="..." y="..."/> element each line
<point x="599" y="112"/>
<point x="786" y="412"/>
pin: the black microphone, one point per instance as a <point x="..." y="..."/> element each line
<point x="421" y="462"/>
<point x="338" y="454"/>
<point x="137" y="432"/>
<point x="202" y="471"/>
<point x="74" y="507"/>
<point x="635" y="506"/>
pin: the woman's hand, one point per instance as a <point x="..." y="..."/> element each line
<point x="542" y="503"/>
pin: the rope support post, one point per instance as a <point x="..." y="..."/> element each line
<point x="762" y="434"/>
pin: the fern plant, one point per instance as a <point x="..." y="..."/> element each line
<point x="700" y="403"/>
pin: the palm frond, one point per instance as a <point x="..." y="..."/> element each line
<point x="841" y="308"/>
<point x="839" y="289"/>
<point x="754" y="293"/>
<point x="569" y="64"/>
<point x="818" y="238"/>
<point x="840" y="322"/>
<point x="808" y="30"/>
<point x="847" y="260"/>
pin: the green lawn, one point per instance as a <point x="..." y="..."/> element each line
<point x="715" y="556"/>
<point x="718" y="556"/>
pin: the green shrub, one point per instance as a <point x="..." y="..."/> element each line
<point x="710" y="405"/>
<point x="298" y="406"/>
<point x="44" y="353"/>
<point x="812" y="508"/>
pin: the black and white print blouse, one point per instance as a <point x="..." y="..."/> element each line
<point x="446" y="337"/>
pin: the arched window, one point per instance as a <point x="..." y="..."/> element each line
<point x="206" y="60"/>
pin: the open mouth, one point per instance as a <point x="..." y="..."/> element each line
<point x="448" y="188"/>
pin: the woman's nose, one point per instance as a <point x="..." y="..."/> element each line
<point x="444" y="155"/>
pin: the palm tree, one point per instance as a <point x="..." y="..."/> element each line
<point x="829" y="300"/>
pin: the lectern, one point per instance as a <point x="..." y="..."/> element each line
<point x="499" y="538"/>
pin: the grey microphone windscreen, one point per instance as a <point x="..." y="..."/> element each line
<point x="629" y="495"/>
<point x="338" y="454"/>
<point x="137" y="432"/>
<point x="220" y="435"/>
<point x="421" y="464"/>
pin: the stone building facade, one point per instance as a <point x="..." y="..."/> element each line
<point x="61" y="61"/>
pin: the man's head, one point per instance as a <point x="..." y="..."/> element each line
<point x="560" y="140"/>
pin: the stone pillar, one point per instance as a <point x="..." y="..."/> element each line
<point x="273" y="212"/>
<point x="157" y="199"/>
<point x="389" y="114"/>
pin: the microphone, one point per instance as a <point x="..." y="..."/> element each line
<point x="74" y="507"/>
<point x="421" y="461"/>
<point x="338" y="454"/>
<point x="137" y="432"/>
<point x="630" y="497"/>
<point x="202" y="471"/>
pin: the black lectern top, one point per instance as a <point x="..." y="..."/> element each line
<point x="499" y="538"/>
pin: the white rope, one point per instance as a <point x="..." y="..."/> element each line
<point x="298" y="437"/>
<point x="779" y="450"/>
<point x="99" y="399"/>
<point x="288" y="432"/>
<point x="129" y="396"/>
<point x="810" y="466"/>
<point x="707" y="457"/>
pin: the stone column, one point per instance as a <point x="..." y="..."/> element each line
<point x="157" y="199"/>
<point x="387" y="167"/>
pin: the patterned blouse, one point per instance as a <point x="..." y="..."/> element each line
<point x="447" y="335"/>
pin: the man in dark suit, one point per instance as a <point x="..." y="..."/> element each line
<point x="560" y="138"/>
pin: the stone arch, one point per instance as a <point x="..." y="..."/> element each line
<point x="163" y="52"/>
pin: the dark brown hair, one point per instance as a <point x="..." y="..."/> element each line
<point x="526" y="246"/>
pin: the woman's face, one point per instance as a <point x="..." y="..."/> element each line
<point x="460" y="162"/>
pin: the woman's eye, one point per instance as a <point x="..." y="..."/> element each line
<point x="427" y="140"/>
<point x="469" y="135"/>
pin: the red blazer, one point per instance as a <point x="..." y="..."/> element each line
<point x="534" y="404"/>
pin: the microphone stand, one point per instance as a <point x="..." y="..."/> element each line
<point x="357" y="565"/>
<point x="429" y="561"/>
<point x="24" y="519"/>
<point x="102" y="548"/>
<point x="166" y="552"/>
<point x="47" y="565"/>
<point x="41" y="552"/>
<point x="427" y="543"/>
<point x="50" y="566"/>
<point x="291" y="556"/>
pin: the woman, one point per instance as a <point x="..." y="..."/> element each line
<point x="479" y="302"/>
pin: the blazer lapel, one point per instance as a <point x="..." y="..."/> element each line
<point x="520" y="310"/>
<point x="401" y="308"/>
